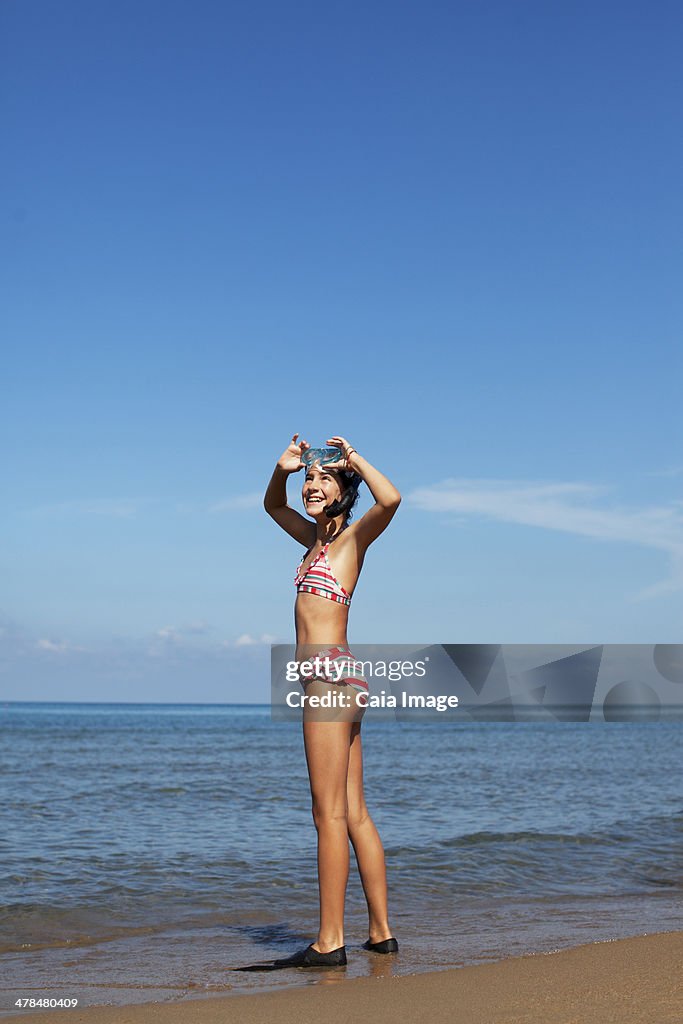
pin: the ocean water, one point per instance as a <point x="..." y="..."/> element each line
<point x="145" y="850"/>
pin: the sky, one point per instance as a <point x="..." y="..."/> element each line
<point x="449" y="232"/>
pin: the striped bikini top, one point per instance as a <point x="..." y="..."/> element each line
<point x="319" y="579"/>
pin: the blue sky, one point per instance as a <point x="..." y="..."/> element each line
<point x="448" y="232"/>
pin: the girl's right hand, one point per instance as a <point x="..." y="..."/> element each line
<point x="290" y="460"/>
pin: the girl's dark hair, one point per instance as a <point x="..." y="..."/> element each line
<point x="350" y="482"/>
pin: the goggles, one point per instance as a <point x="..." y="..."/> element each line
<point x="321" y="455"/>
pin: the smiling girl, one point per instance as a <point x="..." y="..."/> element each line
<point x="325" y="582"/>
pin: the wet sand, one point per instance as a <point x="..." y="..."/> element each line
<point x="628" y="981"/>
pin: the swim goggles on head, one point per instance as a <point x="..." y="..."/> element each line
<point x="321" y="455"/>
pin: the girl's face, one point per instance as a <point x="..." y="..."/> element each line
<point x="320" y="489"/>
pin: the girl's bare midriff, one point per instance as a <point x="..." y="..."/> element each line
<point x="319" y="623"/>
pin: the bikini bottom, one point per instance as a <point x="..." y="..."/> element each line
<point x="338" y="666"/>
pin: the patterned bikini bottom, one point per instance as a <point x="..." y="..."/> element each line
<point x="338" y="666"/>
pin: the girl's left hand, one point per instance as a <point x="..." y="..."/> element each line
<point x="341" y="442"/>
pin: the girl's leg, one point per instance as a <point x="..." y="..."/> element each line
<point x="327" y="756"/>
<point x="367" y="844"/>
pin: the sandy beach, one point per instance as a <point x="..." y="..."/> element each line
<point x="628" y="981"/>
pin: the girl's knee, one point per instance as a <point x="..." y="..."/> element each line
<point x="357" y="816"/>
<point x="324" y="814"/>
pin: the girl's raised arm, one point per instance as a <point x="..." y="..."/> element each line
<point x="275" y="499"/>
<point x="387" y="498"/>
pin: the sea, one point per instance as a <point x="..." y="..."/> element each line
<point x="148" y="850"/>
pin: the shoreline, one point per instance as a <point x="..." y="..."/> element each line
<point x="636" y="980"/>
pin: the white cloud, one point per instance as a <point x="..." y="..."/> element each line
<point x="58" y="646"/>
<point x="192" y="640"/>
<point x="35" y="665"/>
<point x="238" y="501"/>
<point x="247" y="640"/>
<point x="569" y="507"/>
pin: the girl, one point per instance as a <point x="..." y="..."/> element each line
<point x="325" y="581"/>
